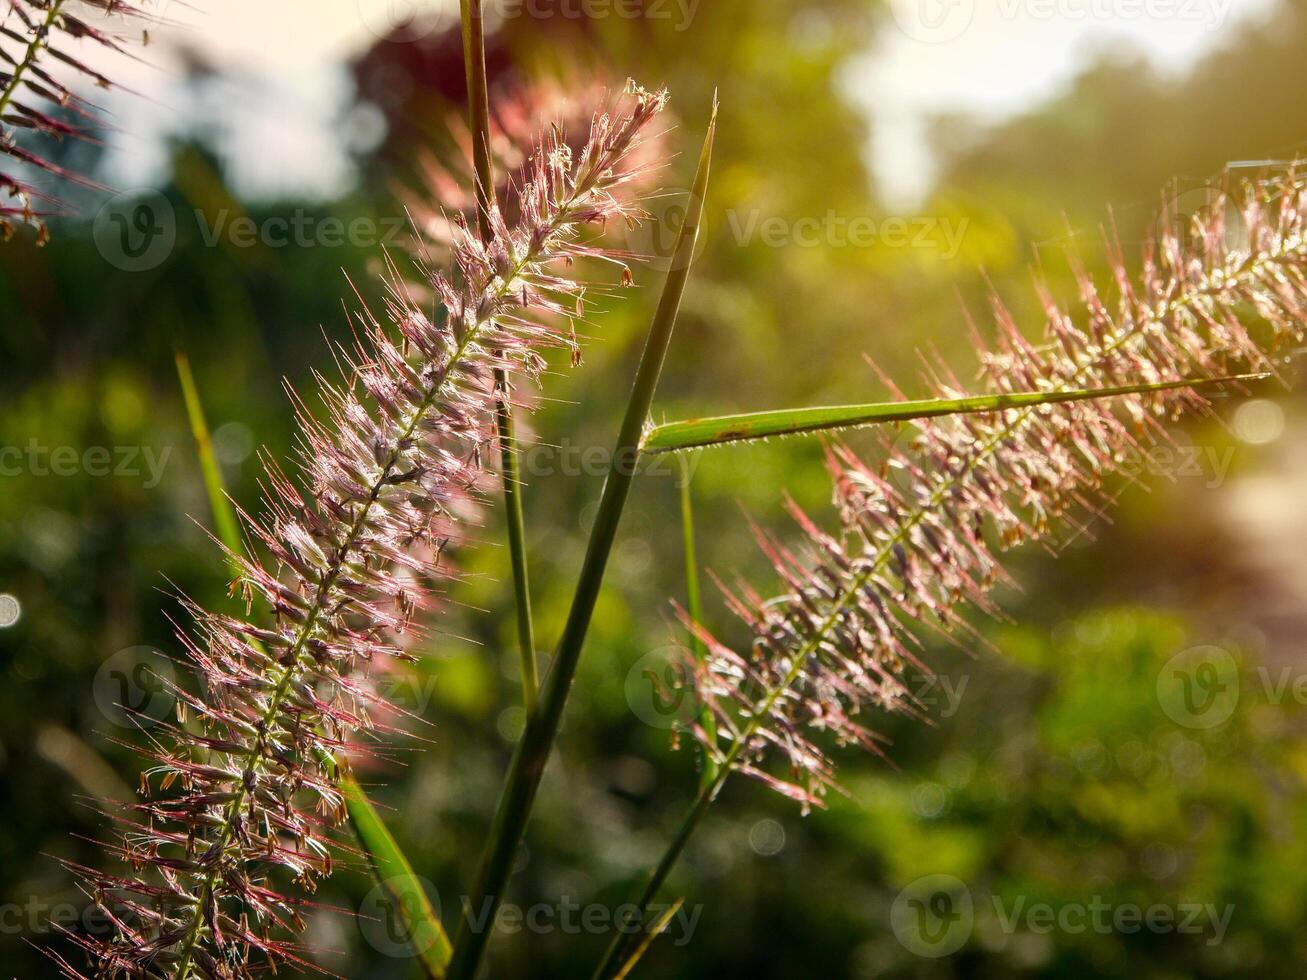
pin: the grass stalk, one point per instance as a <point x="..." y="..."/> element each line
<point x="478" y="107"/>
<point x="512" y="480"/>
<point x="656" y="930"/>
<point x="533" y="750"/>
<point x="39" y="39"/>
<point x="725" y="430"/>
<point x="694" y="605"/>
<point x="707" y="793"/>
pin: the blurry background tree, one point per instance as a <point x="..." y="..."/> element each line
<point x="1054" y="771"/>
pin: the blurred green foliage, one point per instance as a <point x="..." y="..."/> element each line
<point x="1059" y="777"/>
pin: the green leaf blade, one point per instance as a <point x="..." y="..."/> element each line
<point x="225" y="524"/>
<point x="422" y="927"/>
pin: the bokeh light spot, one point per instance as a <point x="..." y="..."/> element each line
<point x="1259" y="422"/>
<point x="10" y="610"/>
<point x="767" y="837"/>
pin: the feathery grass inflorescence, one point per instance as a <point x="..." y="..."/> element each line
<point x="920" y="530"/>
<point x="253" y="771"/>
<point x="444" y="199"/>
<point x="38" y="39"/>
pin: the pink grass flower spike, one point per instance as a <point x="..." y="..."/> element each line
<point x="242" y="797"/>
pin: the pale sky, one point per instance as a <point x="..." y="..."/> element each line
<point x="281" y="121"/>
<point x="994" y="58"/>
<point x="280" y="116"/>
